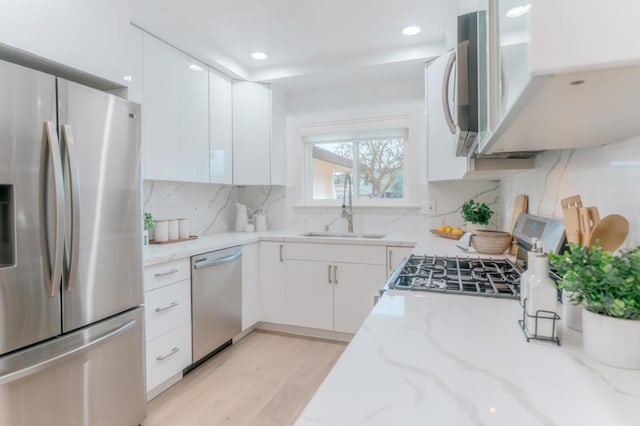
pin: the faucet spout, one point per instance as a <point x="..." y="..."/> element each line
<point x="347" y="213"/>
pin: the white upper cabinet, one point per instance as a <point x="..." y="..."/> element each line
<point x="176" y="115"/>
<point x="563" y="75"/>
<point x="89" y="36"/>
<point x="220" y="128"/>
<point x="258" y="135"/>
<point x="86" y="35"/>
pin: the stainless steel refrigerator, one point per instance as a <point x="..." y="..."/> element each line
<point x="71" y="320"/>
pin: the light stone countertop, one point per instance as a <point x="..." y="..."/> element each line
<point x="434" y="359"/>
<point x="160" y="253"/>
<point x="424" y="242"/>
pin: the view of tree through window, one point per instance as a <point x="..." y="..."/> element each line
<point x="375" y="165"/>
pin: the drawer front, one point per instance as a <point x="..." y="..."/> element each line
<point x="373" y="255"/>
<point x="166" y="273"/>
<point x="168" y="355"/>
<point x="167" y="308"/>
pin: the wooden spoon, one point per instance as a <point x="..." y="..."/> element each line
<point x="611" y="231"/>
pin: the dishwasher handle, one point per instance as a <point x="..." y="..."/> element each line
<point x="205" y="263"/>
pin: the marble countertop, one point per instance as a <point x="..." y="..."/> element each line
<point x="462" y="360"/>
<point x="423" y="243"/>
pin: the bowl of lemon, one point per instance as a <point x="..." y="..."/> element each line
<point x="447" y="231"/>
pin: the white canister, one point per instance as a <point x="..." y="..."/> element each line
<point x="174" y="230"/>
<point x="261" y="222"/>
<point x="183" y="228"/>
<point x="161" y="230"/>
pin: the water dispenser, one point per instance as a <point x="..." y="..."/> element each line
<point x="7" y="227"/>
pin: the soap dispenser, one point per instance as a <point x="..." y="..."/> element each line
<point x="543" y="296"/>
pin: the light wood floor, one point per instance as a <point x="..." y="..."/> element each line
<point x="264" y="379"/>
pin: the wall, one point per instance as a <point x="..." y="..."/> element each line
<point x="607" y="177"/>
<point x="210" y="208"/>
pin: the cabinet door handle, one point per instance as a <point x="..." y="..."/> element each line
<point x="329" y="274"/>
<point x="164" y="274"/>
<point x="390" y="261"/>
<point x="166" y="308"/>
<point x="335" y="274"/>
<point x="172" y="353"/>
<point x="281" y="254"/>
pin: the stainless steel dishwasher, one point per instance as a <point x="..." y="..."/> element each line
<point x="216" y="300"/>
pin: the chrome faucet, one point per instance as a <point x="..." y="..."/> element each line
<point x="347" y="213"/>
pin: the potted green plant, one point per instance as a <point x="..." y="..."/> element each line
<point x="477" y="215"/>
<point x="148" y="226"/>
<point x="609" y="286"/>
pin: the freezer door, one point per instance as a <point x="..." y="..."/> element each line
<point x="94" y="376"/>
<point x="30" y="245"/>
<point x="100" y="144"/>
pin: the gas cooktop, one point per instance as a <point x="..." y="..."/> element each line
<point x="458" y="275"/>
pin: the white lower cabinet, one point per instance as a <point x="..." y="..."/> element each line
<point x="330" y="294"/>
<point x="167" y="308"/>
<point x="167" y="355"/>
<point x="167" y="321"/>
<point x="272" y="288"/>
<point x="309" y="296"/>
<point x="354" y="289"/>
<point x="250" y="301"/>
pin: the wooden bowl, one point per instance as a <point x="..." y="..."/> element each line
<point x="491" y="242"/>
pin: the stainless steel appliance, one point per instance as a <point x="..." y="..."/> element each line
<point x="549" y="231"/>
<point x="216" y="300"/>
<point x="71" y="324"/>
<point x="471" y="62"/>
<point x="457" y="275"/>
<point x="491" y="277"/>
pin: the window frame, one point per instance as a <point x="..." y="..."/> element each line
<point x="358" y="132"/>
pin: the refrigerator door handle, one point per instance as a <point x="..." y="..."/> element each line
<point x="74" y="184"/>
<point x="50" y="146"/>
<point x="18" y="374"/>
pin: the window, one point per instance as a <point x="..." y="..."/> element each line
<point x="373" y="159"/>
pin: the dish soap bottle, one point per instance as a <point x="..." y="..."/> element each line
<point x="543" y="296"/>
<point x="536" y="249"/>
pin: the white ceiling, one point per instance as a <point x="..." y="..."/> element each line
<point x="310" y="43"/>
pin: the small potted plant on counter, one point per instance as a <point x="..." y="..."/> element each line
<point x="609" y="286"/>
<point x="148" y="226"/>
<point x="477" y="215"/>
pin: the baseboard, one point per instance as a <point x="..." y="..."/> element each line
<point x="304" y="331"/>
<point x="244" y="333"/>
<point x="164" y="386"/>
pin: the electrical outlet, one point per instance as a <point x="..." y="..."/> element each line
<point x="195" y="211"/>
<point x="428" y="208"/>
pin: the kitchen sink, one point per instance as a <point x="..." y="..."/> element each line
<point x="342" y="235"/>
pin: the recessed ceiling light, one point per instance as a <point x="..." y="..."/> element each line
<point x="194" y="67"/>
<point x="411" y="30"/>
<point x="127" y="78"/>
<point x="259" y="56"/>
<point x="518" y="11"/>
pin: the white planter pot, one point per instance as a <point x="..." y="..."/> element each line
<point x="611" y="341"/>
<point x="571" y="314"/>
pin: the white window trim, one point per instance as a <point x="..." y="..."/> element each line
<point x="306" y="132"/>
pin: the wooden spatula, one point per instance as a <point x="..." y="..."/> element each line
<point x="589" y="218"/>
<point x="611" y="232"/>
